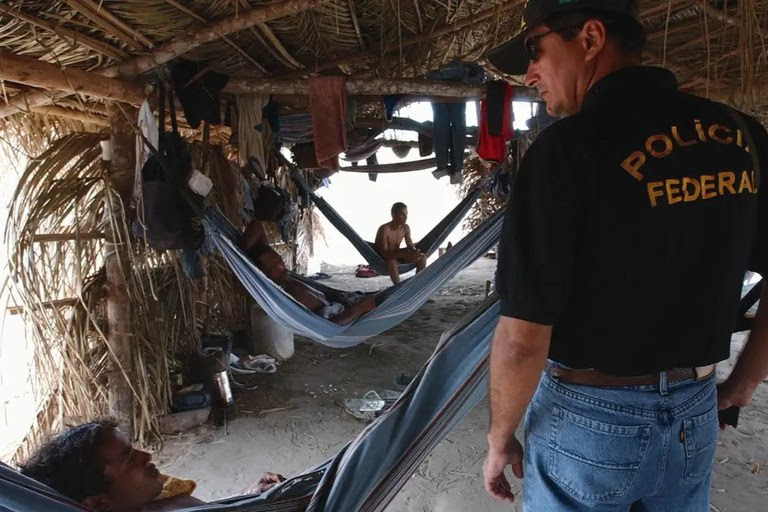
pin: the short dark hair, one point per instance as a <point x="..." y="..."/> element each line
<point x="627" y="32"/>
<point x="398" y="207"/>
<point x="71" y="463"/>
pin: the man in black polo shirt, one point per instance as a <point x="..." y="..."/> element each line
<point x="627" y="235"/>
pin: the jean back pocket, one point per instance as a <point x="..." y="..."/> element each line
<point x="700" y="439"/>
<point x="592" y="460"/>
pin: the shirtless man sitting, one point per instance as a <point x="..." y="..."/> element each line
<point x="388" y="239"/>
<point x="350" y="307"/>
<point x="95" y="465"/>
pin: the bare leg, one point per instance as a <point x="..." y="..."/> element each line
<point x="355" y="311"/>
<point x="394" y="275"/>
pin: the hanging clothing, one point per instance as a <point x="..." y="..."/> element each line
<point x="450" y="138"/>
<point x="250" y="140"/>
<point x="148" y="126"/>
<point x="391" y="103"/>
<point x="495" y="112"/>
<point x="198" y="93"/>
<point x="328" y="106"/>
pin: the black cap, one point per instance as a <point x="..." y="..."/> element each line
<point x="510" y="57"/>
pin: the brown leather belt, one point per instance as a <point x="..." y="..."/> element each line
<point x="598" y="378"/>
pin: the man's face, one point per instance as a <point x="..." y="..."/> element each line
<point x="400" y="216"/>
<point x="274" y="267"/>
<point x="133" y="480"/>
<point x="557" y="71"/>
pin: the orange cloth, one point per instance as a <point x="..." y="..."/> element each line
<point x="328" y="106"/>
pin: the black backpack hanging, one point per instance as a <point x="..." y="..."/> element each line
<point x="163" y="217"/>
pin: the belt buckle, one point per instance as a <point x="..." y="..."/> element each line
<point x="702" y="372"/>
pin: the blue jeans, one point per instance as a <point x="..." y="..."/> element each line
<point x="638" y="449"/>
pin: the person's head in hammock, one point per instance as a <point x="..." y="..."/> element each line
<point x="269" y="262"/>
<point x="95" y="465"/>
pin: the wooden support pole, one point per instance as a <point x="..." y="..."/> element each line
<point x="34" y="72"/>
<point x="183" y="43"/>
<point x="119" y="339"/>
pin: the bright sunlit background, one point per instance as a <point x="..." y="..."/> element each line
<point x="366" y="204"/>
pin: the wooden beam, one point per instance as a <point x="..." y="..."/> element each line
<point x="52" y="304"/>
<point x="183" y="43"/>
<point x="413" y="165"/>
<point x="34" y="72"/>
<point x="377" y="86"/>
<point x="444" y="29"/>
<point x="403" y="123"/>
<point x="373" y="87"/>
<point x="117" y="264"/>
<point x="63" y="237"/>
<point x="186" y="10"/>
<point x="102" y="18"/>
<point x="68" y="113"/>
<point x="24" y="102"/>
<point x="65" y="33"/>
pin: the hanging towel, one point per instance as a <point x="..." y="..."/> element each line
<point x="328" y="105"/>
<point x="250" y="140"/>
<point x="490" y="147"/>
<point x="148" y="126"/>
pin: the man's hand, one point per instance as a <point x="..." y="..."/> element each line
<point x="496" y="461"/>
<point x="730" y="394"/>
<point x="265" y="483"/>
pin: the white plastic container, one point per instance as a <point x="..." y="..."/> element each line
<point x="269" y="337"/>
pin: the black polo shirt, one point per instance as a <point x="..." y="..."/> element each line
<point x="631" y="224"/>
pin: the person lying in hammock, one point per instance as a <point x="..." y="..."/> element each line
<point x="341" y="310"/>
<point x="95" y="465"/>
<point x="388" y="240"/>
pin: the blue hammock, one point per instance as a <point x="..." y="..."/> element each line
<point x="367" y="250"/>
<point x="367" y="473"/>
<point x="399" y="303"/>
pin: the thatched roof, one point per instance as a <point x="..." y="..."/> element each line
<point x="717" y="47"/>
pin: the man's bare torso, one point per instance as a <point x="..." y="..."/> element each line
<point x="391" y="235"/>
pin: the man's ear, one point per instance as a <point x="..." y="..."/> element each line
<point x="594" y="37"/>
<point x="98" y="503"/>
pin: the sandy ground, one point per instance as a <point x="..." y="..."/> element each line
<point x="309" y="425"/>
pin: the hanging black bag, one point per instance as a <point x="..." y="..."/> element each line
<point x="163" y="217"/>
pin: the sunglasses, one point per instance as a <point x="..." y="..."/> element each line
<point x="533" y="44"/>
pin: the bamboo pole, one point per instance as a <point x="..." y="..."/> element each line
<point x="119" y="339"/>
<point x="34" y="72"/>
<point x="183" y="43"/>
